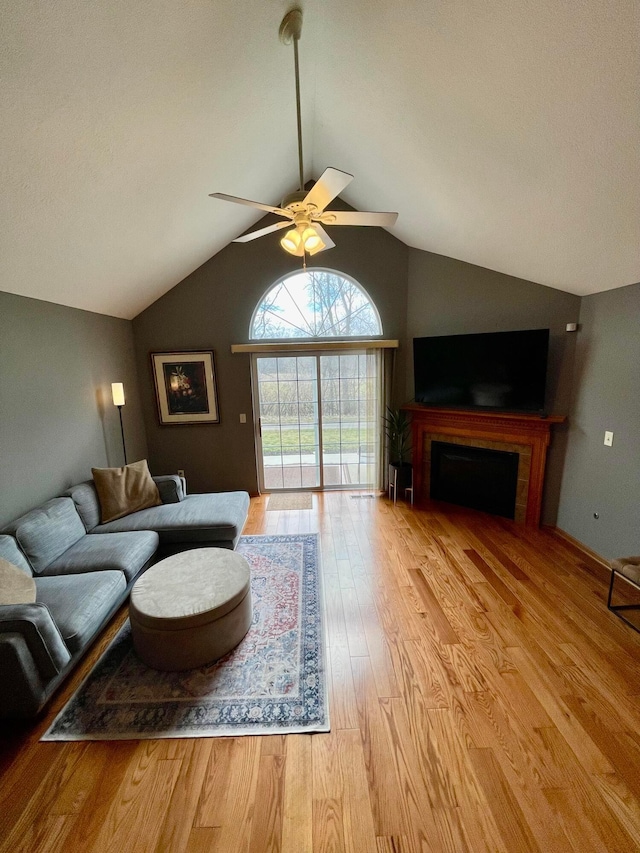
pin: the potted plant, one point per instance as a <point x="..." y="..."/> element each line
<point x="397" y="428"/>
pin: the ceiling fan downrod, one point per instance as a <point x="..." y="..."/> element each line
<point x="305" y="213"/>
<point x="290" y="31"/>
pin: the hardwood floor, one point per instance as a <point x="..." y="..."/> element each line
<point x="482" y="699"/>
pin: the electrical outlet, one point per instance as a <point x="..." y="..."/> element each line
<point x="243" y="418"/>
<point x="608" y="438"/>
<point x="180" y="472"/>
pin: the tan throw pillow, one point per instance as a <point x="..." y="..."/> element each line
<point x="16" y="586"/>
<point x="125" y="490"/>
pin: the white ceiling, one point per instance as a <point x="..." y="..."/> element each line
<point x="505" y="134"/>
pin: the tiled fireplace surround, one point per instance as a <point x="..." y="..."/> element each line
<point x="527" y="435"/>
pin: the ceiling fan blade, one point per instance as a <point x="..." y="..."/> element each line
<point x="269" y="208"/>
<point x="328" y="242"/>
<point x="246" y="238"/>
<point x="358" y="217"/>
<point x="330" y="184"/>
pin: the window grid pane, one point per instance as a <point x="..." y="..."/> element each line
<point x="312" y="304"/>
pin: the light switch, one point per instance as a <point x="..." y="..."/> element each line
<point x="608" y="438"/>
<point x="243" y="418"/>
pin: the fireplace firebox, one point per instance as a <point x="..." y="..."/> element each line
<point x="475" y="477"/>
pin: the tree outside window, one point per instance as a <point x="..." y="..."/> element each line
<point x="315" y="304"/>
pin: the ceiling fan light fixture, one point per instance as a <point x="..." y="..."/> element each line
<point x="292" y="242"/>
<point x="312" y="240"/>
<point x="303" y="238"/>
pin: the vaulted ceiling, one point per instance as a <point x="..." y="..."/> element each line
<point x="504" y="133"/>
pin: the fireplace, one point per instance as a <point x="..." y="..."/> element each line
<point x="525" y="436"/>
<point x="476" y="477"/>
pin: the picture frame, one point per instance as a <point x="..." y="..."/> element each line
<point x="186" y="388"/>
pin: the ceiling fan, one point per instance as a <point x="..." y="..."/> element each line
<point x="306" y="211"/>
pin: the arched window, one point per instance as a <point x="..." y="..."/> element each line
<point x="316" y="303"/>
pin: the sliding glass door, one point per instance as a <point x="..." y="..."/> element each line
<point x="350" y="418"/>
<point x="318" y="420"/>
<point x="289" y="422"/>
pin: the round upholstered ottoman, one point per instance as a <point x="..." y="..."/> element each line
<point x="191" y="609"/>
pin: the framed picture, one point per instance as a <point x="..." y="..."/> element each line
<point x="186" y="390"/>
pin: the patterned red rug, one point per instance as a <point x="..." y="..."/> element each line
<point x="274" y="682"/>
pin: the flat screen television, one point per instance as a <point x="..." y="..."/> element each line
<point x="504" y="371"/>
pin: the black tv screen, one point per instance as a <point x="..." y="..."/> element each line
<point x="505" y="371"/>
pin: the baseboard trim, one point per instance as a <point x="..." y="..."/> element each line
<point x="580" y="546"/>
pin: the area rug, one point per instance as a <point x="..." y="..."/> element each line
<point x="290" y="500"/>
<point x="274" y="682"/>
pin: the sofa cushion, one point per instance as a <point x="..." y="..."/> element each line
<point x="216" y="517"/>
<point x="48" y="531"/>
<point x="170" y="488"/>
<point x="16" y="586"/>
<point x="123" y="552"/>
<point x="9" y="551"/>
<point x="124" y="490"/>
<point x="85" y="498"/>
<point x="79" y="604"/>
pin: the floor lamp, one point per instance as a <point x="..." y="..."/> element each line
<point x="117" y="393"/>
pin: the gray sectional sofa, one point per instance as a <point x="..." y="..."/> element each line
<point x="83" y="571"/>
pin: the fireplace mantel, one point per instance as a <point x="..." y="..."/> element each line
<point x="527" y="434"/>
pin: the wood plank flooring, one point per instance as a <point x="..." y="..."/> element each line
<point x="482" y="699"/>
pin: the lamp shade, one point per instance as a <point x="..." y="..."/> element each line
<point x="312" y="240"/>
<point x="292" y="242"/>
<point x="117" y="392"/>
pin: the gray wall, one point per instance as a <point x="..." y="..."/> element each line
<point x="57" y="419"/>
<point x="212" y="308"/>
<point x="607" y="397"/>
<point x="449" y="297"/>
